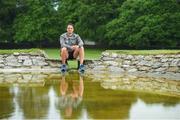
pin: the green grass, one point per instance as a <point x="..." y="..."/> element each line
<point x="10" y="51"/>
<point x="145" y="52"/>
<point x="89" y="54"/>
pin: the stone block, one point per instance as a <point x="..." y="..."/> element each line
<point x="107" y="58"/>
<point x="13" y="64"/>
<point x="114" y="55"/>
<point x="132" y="70"/>
<point x="27" y="62"/>
<point x="164" y="60"/>
<point x="111" y="63"/>
<point x="105" y="54"/>
<point x="127" y="62"/>
<point x="115" y="69"/>
<point x="147" y="58"/>
<point x="173" y="69"/>
<point x="165" y="64"/>
<point x="1" y="65"/>
<point x="160" y="69"/>
<point x="22" y="57"/>
<point x="139" y="57"/>
<point x="143" y="68"/>
<point x="175" y="62"/>
<point x="156" y="65"/>
<point x="1" y="60"/>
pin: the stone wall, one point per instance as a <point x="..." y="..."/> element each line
<point x="30" y="62"/>
<point x="163" y="65"/>
<point x="26" y="61"/>
<point x="167" y="65"/>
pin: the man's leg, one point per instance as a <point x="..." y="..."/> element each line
<point x="81" y="55"/>
<point x="80" y="52"/>
<point x="64" y="55"/>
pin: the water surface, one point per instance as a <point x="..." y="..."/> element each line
<point x="52" y="96"/>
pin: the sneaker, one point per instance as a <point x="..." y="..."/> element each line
<point x="81" y="68"/>
<point x="63" y="68"/>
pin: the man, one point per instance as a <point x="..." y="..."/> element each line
<point x="71" y="48"/>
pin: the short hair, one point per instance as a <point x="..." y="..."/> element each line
<point x="70" y="24"/>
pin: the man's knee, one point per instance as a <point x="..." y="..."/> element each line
<point x="64" y="49"/>
<point x="76" y="48"/>
<point x="81" y="48"/>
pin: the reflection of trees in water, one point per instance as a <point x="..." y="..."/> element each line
<point x="6" y="102"/>
<point x="156" y="98"/>
<point x="34" y="102"/>
<point x="107" y="104"/>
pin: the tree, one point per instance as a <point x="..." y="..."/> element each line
<point x="7" y="16"/>
<point x="67" y="11"/>
<point x="122" y="23"/>
<point x="146" y="23"/>
<point x="93" y="17"/>
<point x="89" y="16"/>
<point x="38" y="23"/>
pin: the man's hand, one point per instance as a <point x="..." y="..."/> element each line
<point x="74" y="47"/>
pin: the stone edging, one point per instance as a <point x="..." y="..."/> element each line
<point x="158" y="65"/>
<point x="26" y="61"/>
<point x="167" y="65"/>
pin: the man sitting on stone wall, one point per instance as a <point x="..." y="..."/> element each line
<point x="71" y="48"/>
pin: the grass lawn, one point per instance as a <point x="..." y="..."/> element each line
<point x="145" y="52"/>
<point x="89" y="54"/>
<point x="10" y="51"/>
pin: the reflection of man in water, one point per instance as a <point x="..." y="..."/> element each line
<point x="71" y="94"/>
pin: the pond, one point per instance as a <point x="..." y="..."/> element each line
<point x="56" y="96"/>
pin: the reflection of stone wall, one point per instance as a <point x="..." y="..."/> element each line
<point x="30" y="79"/>
<point x="135" y="82"/>
<point x="27" y="61"/>
<point x="139" y="83"/>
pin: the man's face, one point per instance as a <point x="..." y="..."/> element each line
<point x="70" y="29"/>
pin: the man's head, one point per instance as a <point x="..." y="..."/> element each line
<point x="70" y="28"/>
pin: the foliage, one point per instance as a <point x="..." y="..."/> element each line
<point x="122" y="23"/>
<point x="145" y="24"/>
<point x="7" y="16"/>
<point x="37" y="23"/>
